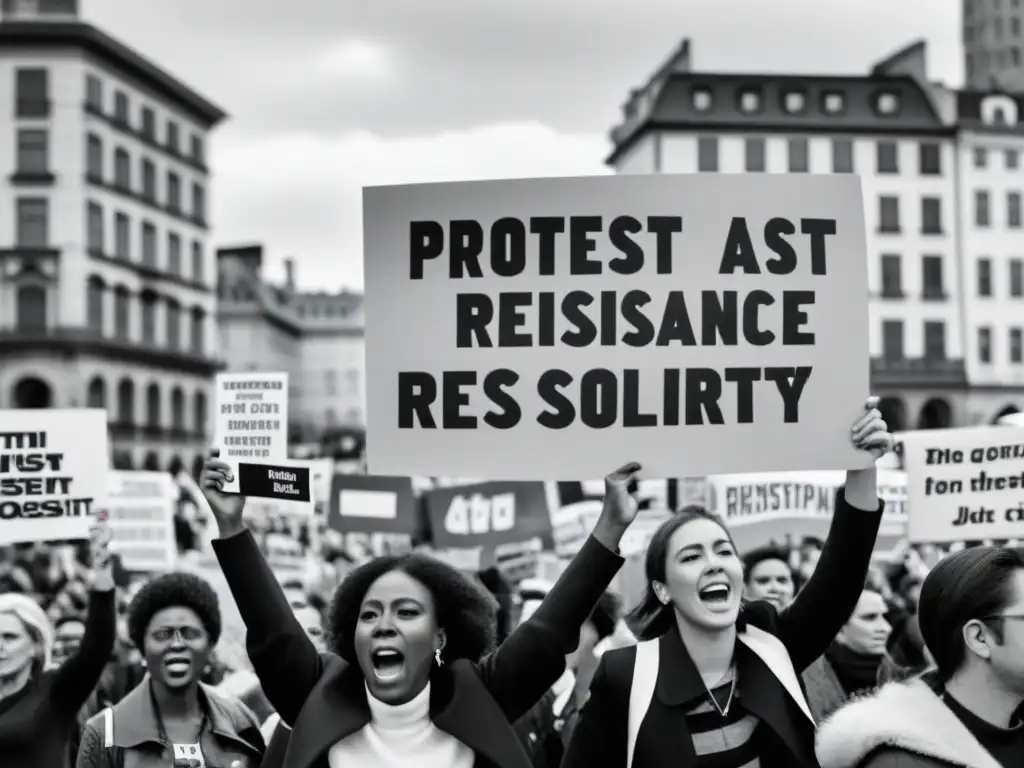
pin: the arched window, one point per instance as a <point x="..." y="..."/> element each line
<point x="173" y="324"/>
<point x="153" y="406"/>
<point x="199" y="413"/>
<point x="97" y="394"/>
<point x="148" y="317"/>
<point x="152" y="462"/>
<point x="95" y="289"/>
<point x="198" y="334"/>
<point x="126" y="402"/>
<point x="122" y="313"/>
<point x="177" y="409"/>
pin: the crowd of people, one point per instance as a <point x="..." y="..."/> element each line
<point x="812" y="657"/>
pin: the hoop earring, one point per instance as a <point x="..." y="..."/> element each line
<point x="437" y="657"/>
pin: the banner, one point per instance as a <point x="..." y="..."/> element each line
<point x="965" y="484"/>
<point x="375" y="514"/>
<point x="553" y="328"/>
<point x="141" y="508"/>
<point x="252" y="420"/>
<point x="53" y="471"/>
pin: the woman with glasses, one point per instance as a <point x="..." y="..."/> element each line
<point x="172" y="718"/>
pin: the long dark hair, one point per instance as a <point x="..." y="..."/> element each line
<point x="651" y="618"/>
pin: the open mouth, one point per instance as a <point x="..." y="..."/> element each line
<point x="177" y="667"/>
<point x="387" y="664"/>
<point x="715" y="594"/>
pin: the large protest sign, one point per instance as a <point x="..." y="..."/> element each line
<point x="252" y="420"/>
<point x="375" y="514"/>
<point x="965" y="484"/>
<point x="553" y="328"/>
<point x="140" y="508"/>
<point x="53" y="470"/>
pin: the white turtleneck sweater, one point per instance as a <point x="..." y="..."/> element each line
<point x="401" y="736"/>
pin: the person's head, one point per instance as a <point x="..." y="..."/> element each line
<point x="694" y="575"/>
<point x="599" y="625"/>
<point x="295" y="594"/>
<point x="910" y="590"/>
<point x="971" y="614"/>
<point x="392" y="614"/>
<point x="810" y="552"/>
<point x="767" y="576"/>
<point x="26" y="636"/>
<point x="67" y="637"/>
<point x="174" y="620"/>
<point x="312" y="622"/>
<point x="866" y="632"/>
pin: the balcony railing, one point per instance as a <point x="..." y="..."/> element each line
<point x="917" y="372"/>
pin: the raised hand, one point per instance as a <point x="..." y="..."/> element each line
<point x="870" y="432"/>
<point x="102" y="564"/>
<point x="619" y="504"/>
<point x="227" y="509"/>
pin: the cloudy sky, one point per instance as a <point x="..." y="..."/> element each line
<point x="326" y="96"/>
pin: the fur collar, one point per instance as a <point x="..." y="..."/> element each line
<point x="908" y="716"/>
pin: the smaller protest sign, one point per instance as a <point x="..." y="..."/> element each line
<point x="965" y="484"/>
<point x="140" y="507"/>
<point x="252" y="419"/>
<point x="53" y="470"/>
<point x="374" y="514"/>
<point x="285" y="481"/>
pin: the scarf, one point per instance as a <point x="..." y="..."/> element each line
<point x="856" y="671"/>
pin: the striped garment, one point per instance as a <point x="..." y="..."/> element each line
<point x="723" y="742"/>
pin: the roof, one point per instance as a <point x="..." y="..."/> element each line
<point x="83" y="36"/>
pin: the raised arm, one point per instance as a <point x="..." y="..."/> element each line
<point x="284" y="659"/>
<point x="809" y="625"/>
<point x="532" y="658"/>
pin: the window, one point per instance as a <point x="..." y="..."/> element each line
<point x="707" y="154"/>
<point x="930" y="159"/>
<point x="1012" y="159"/>
<point x="121" y="107"/>
<point x="122" y="169"/>
<point x="173" y="324"/>
<point x="1013" y="210"/>
<point x="177" y="409"/>
<point x="94" y="157"/>
<point x="31" y="313"/>
<point x="750" y="101"/>
<point x="982" y="214"/>
<point x="887" y="158"/>
<point x="980" y="157"/>
<point x="122" y="313"/>
<point x="1016" y="346"/>
<point x="701" y="99"/>
<point x="197" y="261"/>
<point x="148" y="180"/>
<point x="198" y="335"/>
<point x="122" y="236"/>
<point x="799" y="156"/>
<point x="148" y="244"/>
<point x="32" y="222"/>
<point x="795" y="102"/>
<point x="931" y="278"/>
<point x="148" y="318"/>
<point x="148" y="129"/>
<point x="172" y="136"/>
<point x="892" y="276"/>
<point x="174" y="254"/>
<point x="888" y="214"/>
<point x="153" y="406"/>
<point x="985" y="277"/>
<point x="94" y="304"/>
<point x="887" y="103"/>
<point x="934" y="340"/>
<point x="94" y="228"/>
<point x="754" y="151"/>
<point x="33" y="152"/>
<point x="197" y="148"/>
<point x="931" y="216"/>
<point x="173" y="192"/>
<point x="833" y="103"/>
<point x="94" y="92"/>
<point x="32" y="93"/>
<point x="985" y="345"/>
<point x="199" y="202"/>
<point x="842" y="156"/>
<point x="1017" y="278"/>
<point x="892" y="339"/>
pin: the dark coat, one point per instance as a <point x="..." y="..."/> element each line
<point x="806" y="628"/>
<point x="324" y="697"/>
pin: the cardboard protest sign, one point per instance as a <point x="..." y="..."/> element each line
<point x="965" y="484"/>
<point x="252" y="420"/>
<point x="140" y="508"/>
<point x="557" y="328"/>
<point x="375" y="514"/>
<point x="53" y="471"/>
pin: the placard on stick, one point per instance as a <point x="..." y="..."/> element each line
<point x="558" y="328"/>
<point x="252" y="420"/>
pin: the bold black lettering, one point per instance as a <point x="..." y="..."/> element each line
<point x="572" y="310"/>
<point x="511" y="319"/>
<point x="609" y="318"/>
<point x="508" y="247"/>
<point x="739" y="250"/>
<point x="631" y="313"/>
<point x="548" y="386"/>
<point x="790" y="383"/>
<point x="426" y="241"/>
<point x="774" y="237"/>
<point x="794" y="317"/>
<point x="453" y="399"/>
<point x="599" y="398"/>
<point x="473" y="313"/>
<point x="467" y="243"/>
<point x="417" y="391"/>
<point x="547" y="227"/>
<point x="818" y="229"/>
<point x="719" y="318"/>
<point x="744" y="379"/>
<point x="495" y="384"/>
<point x="546" y="319"/>
<point x="631" y="416"/>
<point x="751" y="328"/>
<point x="675" y="323"/>
<point x="632" y="259"/>
<point x="703" y="391"/>
<point x="581" y="244"/>
<point x="663" y="228"/>
<point x="670" y="416"/>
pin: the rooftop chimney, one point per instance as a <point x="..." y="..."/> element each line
<point x="289" y="274"/>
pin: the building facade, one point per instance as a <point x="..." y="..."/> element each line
<point x="315" y="337"/>
<point x="909" y="141"/>
<point x="992" y="32"/>
<point x="106" y="280"/>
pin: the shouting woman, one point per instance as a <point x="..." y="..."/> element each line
<point x="715" y="681"/>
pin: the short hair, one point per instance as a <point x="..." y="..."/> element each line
<point x="465" y="613"/>
<point x="174" y="590"/>
<point x="974" y="583"/>
<point x="755" y="557"/>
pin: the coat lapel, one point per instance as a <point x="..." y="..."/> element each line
<point x="336" y="708"/>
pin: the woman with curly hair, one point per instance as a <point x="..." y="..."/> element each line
<point x="412" y="679"/>
<point x="171" y="717"/>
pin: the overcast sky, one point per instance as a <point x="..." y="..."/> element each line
<point x="328" y="95"/>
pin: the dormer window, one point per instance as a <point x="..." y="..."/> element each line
<point x="999" y="110"/>
<point x="750" y="101"/>
<point x="701" y="99"/>
<point x="887" y="103"/>
<point x="833" y="103"/>
<point x="794" y="102"/>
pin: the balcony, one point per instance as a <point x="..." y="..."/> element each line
<point x="917" y="373"/>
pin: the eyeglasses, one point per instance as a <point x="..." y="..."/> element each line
<point x="186" y="634"/>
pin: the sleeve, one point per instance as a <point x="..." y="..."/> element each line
<point x="75" y="680"/>
<point x="91" y="752"/>
<point x="895" y="758"/>
<point x="284" y="659"/>
<point x="532" y="658"/>
<point x="808" y="626"/>
<point x="598" y="737"/>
